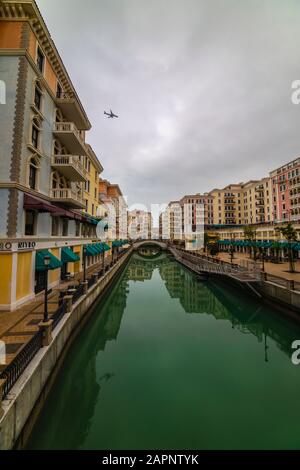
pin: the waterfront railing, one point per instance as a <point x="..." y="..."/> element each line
<point x="14" y="370"/>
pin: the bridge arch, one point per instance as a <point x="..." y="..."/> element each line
<point x="140" y="243"/>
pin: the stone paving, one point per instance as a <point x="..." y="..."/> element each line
<point x="19" y="326"/>
<point x="275" y="269"/>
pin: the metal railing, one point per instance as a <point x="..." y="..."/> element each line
<point x="79" y="293"/>
<point x="59" y="314"/>
<point x="254" y="271"/>
<point x="14" y="370"/>
<point x="68" y="127"/>
<point x="69" y="160"/>
<point x="66" y="193"/>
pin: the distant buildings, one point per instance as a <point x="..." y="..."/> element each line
<point x="272" y="199"/>
<point x="139" y="224"/>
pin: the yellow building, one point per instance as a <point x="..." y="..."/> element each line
<point x="48" y="173"/>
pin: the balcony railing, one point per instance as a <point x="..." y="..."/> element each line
<point x="68" y="196"/>
<point x="70" y="166"/>
<point x="70" y="136"/>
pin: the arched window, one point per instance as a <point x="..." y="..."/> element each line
<point x="59" y="182"/>
<point x="33" y="173"/>
<point x="59" y="116"/>
<point x="38" y="95"/>
<point x="58" y="148"/>
<point x="36" y="130"/>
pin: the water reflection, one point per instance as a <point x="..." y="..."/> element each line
<point x="222" y="302"/>
<point x="72" y="416"/>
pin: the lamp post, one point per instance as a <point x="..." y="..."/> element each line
<point x="263" y="259"/>
<point x="84" y="263"/>
<point x="47" y="260"/>
<point x="231" y="248"/>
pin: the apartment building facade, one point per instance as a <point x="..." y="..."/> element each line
<point x="114" y="208"/>
<point x="139" y="225"/>
<point x="286" y="192"/>
<point x="45" y="162"/>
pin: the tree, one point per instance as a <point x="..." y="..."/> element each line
<point x="213" y="248"/>
<point x="290" y="234"/>
<point x="250" y="236"/>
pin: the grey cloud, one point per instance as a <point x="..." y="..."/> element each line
<point x="202" y="88"/>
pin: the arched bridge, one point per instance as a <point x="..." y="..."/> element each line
<point x="140" y="243"/>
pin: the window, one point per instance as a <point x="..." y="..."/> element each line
<point x="38" y="98"/>
<point x="35" y="133"/>
<point x="96" y="176"/>
<point x="93" y="209"/>
<point x="65" y="227"/>
<point x="33" y="173"/>
<point x="55" y="227"/>
<point x="40" y="61"/>
<point x="32" y="177"/>
<point x="35" y="137"/>
<point x="30" y="222"/>
<point x="95" y="193"/>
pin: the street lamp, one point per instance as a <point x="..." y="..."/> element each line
<point x="47" y="261"/>
<point x="231" y="248"/>
<point x="84" y="262"/>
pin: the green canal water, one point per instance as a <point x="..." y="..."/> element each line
<point x="170" y="362"/>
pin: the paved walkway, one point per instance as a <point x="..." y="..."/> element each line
<point x="271" y="268"/>
<point x="19" y="326"/>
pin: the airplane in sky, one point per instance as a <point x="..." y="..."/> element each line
<point x="110" y="115"/>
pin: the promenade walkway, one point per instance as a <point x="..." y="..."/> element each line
<point x="19" y="326"/>
<point x="280" y="270"/>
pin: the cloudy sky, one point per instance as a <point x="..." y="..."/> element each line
<point x="202" y="88"/>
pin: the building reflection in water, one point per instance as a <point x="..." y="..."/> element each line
<point x="80" y="367"/>
<point x="218" y="300"/>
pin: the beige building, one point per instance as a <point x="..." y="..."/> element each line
<point x="139" y="224"/>
<point x="227" y="204"/>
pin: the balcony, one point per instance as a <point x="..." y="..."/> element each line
<point x="70" y="137"/>
<point x="71" y="109"/>
<point x="70" y="167"/>
<point x="68" y="197"/>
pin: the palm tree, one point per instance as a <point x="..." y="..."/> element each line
<point x="290" y="234"/>
<point x="250" y="236"/>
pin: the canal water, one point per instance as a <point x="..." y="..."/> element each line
<point x="171" y="362"/>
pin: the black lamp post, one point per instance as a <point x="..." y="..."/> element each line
<point x="84" y="263"/>
<point x="47" y="260"/>
<point x="231" y="248"/>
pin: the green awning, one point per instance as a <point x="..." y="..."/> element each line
<point x="55" y="263"/>
<point x="90" y="250"/>
<point x="68" y="256"/>
<point x="105" y="247"/>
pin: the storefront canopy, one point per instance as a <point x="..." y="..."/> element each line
<point x="55" y="263"/>
<point x="68" y="256"/>
<point x="90" y="250"/>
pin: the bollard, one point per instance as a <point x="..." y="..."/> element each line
<point x="263" y="276"/>
<point x="290" y="285"/>
<point x="85" y="287"/>
<point x="46" y="329"/>
<point x="69" y="302"/>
